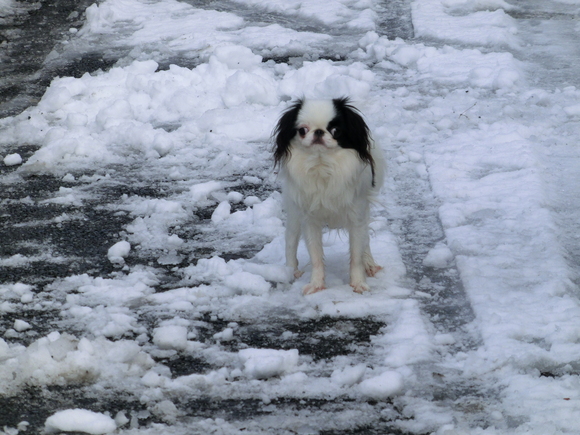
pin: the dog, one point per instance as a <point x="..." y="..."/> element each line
<point x="331" y="170"/>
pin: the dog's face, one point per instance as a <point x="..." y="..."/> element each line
<point x="317" y="125"/>
<point x="322" y="125"/>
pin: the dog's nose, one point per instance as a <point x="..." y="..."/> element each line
<point x="319" y="133"/>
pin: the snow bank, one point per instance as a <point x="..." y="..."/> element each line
<point x="214" y="110"/>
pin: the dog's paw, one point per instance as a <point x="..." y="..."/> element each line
<point x="372" y="269"/>
<point x="312" y="288"/>
<point x="298" y="273"/>
<point x="360" y="287"/>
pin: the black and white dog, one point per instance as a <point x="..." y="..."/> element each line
<point x="330" y="170"/>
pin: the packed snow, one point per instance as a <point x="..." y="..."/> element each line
<point x="461" y="112"/>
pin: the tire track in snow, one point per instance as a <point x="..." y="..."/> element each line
<point x="420" y="231"/>
<point x="515" y="274"/>
<point x="556" y="68"/>
<point x="441" y="294"/>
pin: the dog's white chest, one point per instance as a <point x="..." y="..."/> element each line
<point x="324" y="185"/>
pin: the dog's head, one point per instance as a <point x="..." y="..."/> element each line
<point x="323" y="125"/>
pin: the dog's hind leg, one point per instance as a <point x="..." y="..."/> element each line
<point x="371" y="268"/>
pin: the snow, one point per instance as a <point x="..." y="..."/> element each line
<point x="170" y="337"/>
<point x="460" y="113"/>
<point x="381" y="387"/>
<point x="349" y="375"/>
<point x="80" y="420"/>
<point x="12" y="159"/>
<point x="204" y="30"/>
<point x="440" y="256"/>
<point x="334" y="12"/>
<point x="118" y="252"/>
<point x="21" y="325"/>
<point x="481" y="22"/>
<point x="266" y="363"/>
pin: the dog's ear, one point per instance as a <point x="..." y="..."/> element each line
<point x="284" y="132"/>
<point x="356" y="133"/>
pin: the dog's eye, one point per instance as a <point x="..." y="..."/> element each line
<point x="335" y="132"/>
<point x="302" y="131"/>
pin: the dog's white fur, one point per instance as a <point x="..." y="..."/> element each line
<point x="327" y="185"/>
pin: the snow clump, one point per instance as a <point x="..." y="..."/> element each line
<point x="386" y="385"/>
<point x="117" y="253"/>
<point x="12" y="159"/>
<point x="267" y="363"/>
<point x="80" y="420"/>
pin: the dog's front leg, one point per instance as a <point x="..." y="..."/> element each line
<point x="358" y="241"/>
<point x="313" y="235"/>
<point x="292" y="240"/>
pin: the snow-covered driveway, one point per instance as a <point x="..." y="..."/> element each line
<point x="143" y="287"/>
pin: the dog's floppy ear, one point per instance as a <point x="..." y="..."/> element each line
<point x="356" y="134"/>
<point x="284" y="132"/>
